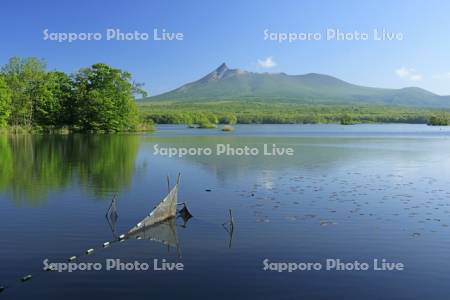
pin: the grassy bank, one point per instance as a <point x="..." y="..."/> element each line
<point x="265" y="113"/>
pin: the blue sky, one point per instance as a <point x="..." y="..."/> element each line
<point x="233" y="32"/>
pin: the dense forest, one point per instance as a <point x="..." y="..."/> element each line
<point x="231" y="112"/>
<point x="98" y="98"/>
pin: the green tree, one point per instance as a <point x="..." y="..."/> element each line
<point x="347" y="120"/>
<point x="439" y="120"/>
<point x="104" y="99"/>
<point x="24" y="77"/>
<point x="228" y="119"/>
<point x="53" y="102"/>
<point x="5" y="102"/>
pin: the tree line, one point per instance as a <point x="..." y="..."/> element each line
<point x="287" y="113"/>
<point x="98" y="98"/>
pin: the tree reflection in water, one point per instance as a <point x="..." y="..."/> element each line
<point x="32" y="166"/>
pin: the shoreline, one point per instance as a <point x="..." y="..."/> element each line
<point x="18" y="130"/>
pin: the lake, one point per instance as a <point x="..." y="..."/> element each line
<point x="353" y="193"/>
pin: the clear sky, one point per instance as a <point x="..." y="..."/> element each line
<point x="233" y="32"/>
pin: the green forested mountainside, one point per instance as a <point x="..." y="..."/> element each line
<point x="241" y="86"/>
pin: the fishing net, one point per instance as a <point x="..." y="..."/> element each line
<point x="165" y="210"/>
<point x="164" y="232"/>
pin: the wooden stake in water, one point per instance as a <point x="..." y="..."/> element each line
<point x="231" y="220"/>
<point x="168" y="183"/>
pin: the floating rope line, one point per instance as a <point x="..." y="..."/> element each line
<point x="26" y="278"/>
<point x="73" y="258"/>
<point x="90" y="251"/>
<point x="111" y="216"/>
<point x="164" y="211"/>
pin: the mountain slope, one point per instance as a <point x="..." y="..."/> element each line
<point x="233" y="84"/>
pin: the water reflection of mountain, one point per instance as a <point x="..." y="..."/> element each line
<point x="316" y="154"/>
<point x="31" y="166"/>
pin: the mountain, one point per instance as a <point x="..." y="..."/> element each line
<point x="225" y="84"/>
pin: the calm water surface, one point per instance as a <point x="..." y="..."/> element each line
<point x="349" y="192"/>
